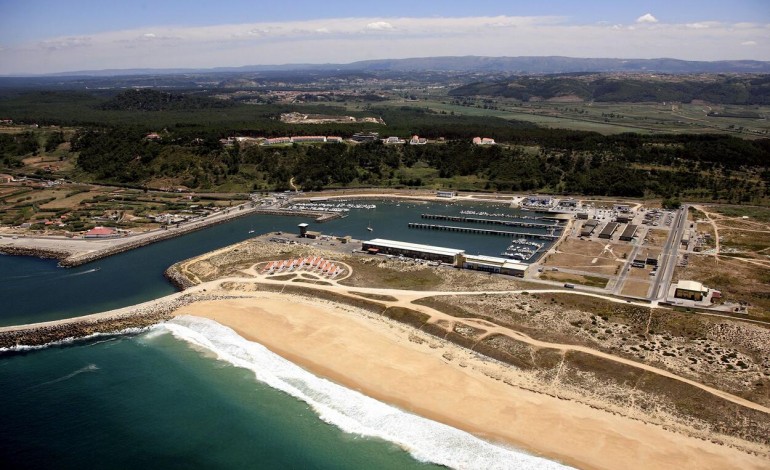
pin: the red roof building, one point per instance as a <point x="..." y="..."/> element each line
<point x="101" y="232"/>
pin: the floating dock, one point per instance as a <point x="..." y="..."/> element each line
<point x="481" y="231"/>
<point x="474" y="220"/>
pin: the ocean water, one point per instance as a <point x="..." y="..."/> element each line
<point x="151" y="401"/>
<point x="192" y="393"/>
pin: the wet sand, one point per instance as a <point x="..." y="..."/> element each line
<point x="446" y="383"/>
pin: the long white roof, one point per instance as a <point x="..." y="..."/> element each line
<point x="415" y="247"/>
<point x="691" y="285"/>
<point x="486" y="259"/>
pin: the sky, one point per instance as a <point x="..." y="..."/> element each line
<point x="46" y="36"/>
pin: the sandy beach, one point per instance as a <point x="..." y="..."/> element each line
<point x="443" y="382"/>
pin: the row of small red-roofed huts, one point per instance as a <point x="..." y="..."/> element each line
<point x="313" y="263"/>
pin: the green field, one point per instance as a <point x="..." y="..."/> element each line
<point x="616" y="118"/>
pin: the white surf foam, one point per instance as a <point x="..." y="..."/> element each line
<point x="351" y="411"/>
<point x="73" y="340"/>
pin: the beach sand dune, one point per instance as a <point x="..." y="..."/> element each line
<point x="443" y="382"/>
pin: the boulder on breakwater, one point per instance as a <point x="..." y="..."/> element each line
<point x="44" y="333"/>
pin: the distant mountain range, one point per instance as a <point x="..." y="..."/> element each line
<point x="516" y="65"/>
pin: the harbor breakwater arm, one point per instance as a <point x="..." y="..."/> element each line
<point x="113" y="321"/>
<point x="76" y="252"/>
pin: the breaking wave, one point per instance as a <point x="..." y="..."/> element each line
<point x="21" y="348"/>
<point x="351" y="411"/>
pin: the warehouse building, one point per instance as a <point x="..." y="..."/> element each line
<point x="451" y="256"/>
<point x="629" y="233"/>
<point x="609" y="230"/>
<point x="493" y="264"/>
<point x="588" y="227"/>
<point x="690" y="290"/>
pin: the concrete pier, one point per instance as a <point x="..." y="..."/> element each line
<point x="481" y="231"/>
<point x="475" y="220"/>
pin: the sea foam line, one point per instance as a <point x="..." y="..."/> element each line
<point x="73" y="340"/>
<point x="351" y="411"/>
<point x="82" y="370"/>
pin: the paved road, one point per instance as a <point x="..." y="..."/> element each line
<point x="621" y="279"/>
<point x="668" y="258"/>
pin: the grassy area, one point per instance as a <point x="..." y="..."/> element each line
<point x="739" y="281"/>
<point x="381" y="298"/>
<point x="372" y="272"/>
<point x="614" y="118"/>
<point x="534" y="116"/>
<point x="78" y="207"/>
<point x="761" y="214"/>
<point x="583" y="280"/>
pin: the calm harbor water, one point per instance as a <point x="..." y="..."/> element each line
<point x="36" y="290"/>
<point x="198" y="397"/>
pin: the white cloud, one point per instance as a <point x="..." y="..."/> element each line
<point x="66" y="43"/>
<point x="380" y="26"/>
<point x="647" y="18"/>
<point x="343" y="40"/>
<point x="702" y="25"/>
<point x="258" y="32"/>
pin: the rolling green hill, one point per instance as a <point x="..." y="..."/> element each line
<point x="744" y="90"/>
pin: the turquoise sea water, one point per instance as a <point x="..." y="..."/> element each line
<point x="150" y="401"/>
<point x="191" y="394"/>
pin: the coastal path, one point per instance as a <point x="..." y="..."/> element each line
<point x="405" y="298"/>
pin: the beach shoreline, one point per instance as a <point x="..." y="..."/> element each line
<point x="425" y="375"/>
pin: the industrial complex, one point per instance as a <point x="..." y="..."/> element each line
<point x="452" y="256"/>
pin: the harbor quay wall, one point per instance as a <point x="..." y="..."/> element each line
<point x="36" y="252"/>
<point x="87" y="257"/>
<point x="319" y="216"/>
<point x="69" y="259"/>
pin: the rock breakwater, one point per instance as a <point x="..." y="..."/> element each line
<point x="36" y="252"/>
<point x="138" y="317"/>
